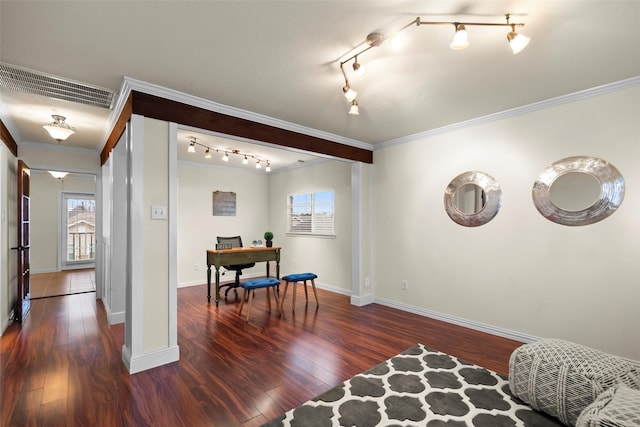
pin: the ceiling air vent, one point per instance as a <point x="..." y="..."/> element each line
<point x="28" y="81"/>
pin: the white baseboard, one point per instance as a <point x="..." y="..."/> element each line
<point x="362" y="300"/>
<point x="493" y="330"/>
<point x="149" y="360"/>
<point x="114" y="318"/>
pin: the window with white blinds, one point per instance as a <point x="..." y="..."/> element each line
<point x="311" y="213"/>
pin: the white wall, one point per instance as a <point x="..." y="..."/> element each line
<point x="519" y="272"/>
<point x="329" y="258"/>
<point x="46" y="192"/>
<point x="198" y="228"/>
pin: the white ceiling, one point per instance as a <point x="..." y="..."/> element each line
<point x="281" y="59"/>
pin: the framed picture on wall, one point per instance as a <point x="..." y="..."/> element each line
<point x="224" y="203"/>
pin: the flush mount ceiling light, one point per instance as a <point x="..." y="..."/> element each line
<point x="58" y="175"/>
<point x="58" y="129"/>
<point x="460" y="41"/>
<point x="193" y="142"/>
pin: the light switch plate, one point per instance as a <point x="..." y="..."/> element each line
<point x="158" y="212"/>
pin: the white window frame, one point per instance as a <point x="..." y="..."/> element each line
<point x="316" y="229"/>
<point x="64" y="263"/>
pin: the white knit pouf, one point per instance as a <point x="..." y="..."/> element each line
<point x="563" y="378"/>
<point x="617" y="407"/>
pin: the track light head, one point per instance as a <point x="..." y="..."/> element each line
<point x="192" y="146"/>
<point x="517" y="41"/>
<point x="354" y="110"/>
<point x="349" y="93"/>
<point x="460" y="39"/>
<point x="225" y="157"/>
<point x="358" y="68"/>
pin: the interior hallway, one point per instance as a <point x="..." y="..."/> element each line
<point x="65" y="282"/>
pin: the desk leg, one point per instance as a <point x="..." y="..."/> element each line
<point x="268" y="265"/>
<point x="208" y="282"/>
<point x="217" y="285"/>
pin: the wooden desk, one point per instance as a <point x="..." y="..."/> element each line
<point x="237" y="256"/>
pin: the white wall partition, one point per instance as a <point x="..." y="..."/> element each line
<point x="520" y="273"/>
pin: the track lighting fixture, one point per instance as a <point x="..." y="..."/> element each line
<point x="460" y="41"/>
<point x="193" y="142"/>
<point x="58" y="129"/>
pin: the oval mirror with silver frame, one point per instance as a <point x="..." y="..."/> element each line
<point x="578" y="190"/>
<point x="472" y="198"/>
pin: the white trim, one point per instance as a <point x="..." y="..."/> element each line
<point x="130" y="84"/>
<point x="331" y="288"/>
<point x="356" y="231"/>
<point x="361" y="301"/>
<point x="172" y="262"/>
<point x="525" y="109"/>
<point x="482" y="327"/>
<point x="114" y="318"/>
<point x="149" y="360"/>
<point x="136" y="236"/>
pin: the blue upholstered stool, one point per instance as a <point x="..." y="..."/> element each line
<point x="295" y="278"/>
<point x="251" y="285"/>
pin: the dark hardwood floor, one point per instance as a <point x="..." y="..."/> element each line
<point x="63" y="366"/>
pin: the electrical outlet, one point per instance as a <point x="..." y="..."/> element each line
<point x="405" y="285"/>
<point x="195" y="267"/>
<point x="366" y="282"/>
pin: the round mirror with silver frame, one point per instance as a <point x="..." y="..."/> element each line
<point x="472" y="198"/>
<point x="576" y="177"/>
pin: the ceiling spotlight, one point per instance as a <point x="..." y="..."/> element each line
<point x="207" y="154"/>
<point x="358" y="68"/>
<point x="460" y="39"/>
<point x="268" y="168"/>
<point x="258" y="165"/>
<point x="192" y="146"/>
<point x="245" y="161"/>
<point x="58" y="129"/>
<point x="517" y="41"/>
<point x="225" y="157"/>
<point x="354" y="111"/>
<point x="349" y="93"/>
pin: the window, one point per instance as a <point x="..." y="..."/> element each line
<point x="311" y="213"/>
<point x="79" y="222"/>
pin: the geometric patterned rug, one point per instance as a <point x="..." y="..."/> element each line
<point x="418" y="387"/>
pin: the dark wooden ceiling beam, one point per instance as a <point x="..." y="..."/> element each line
<point x="159" y="108"/>
<point x="8" y="140"/>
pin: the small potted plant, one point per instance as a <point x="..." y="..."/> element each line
<point x="268" y="237"/>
